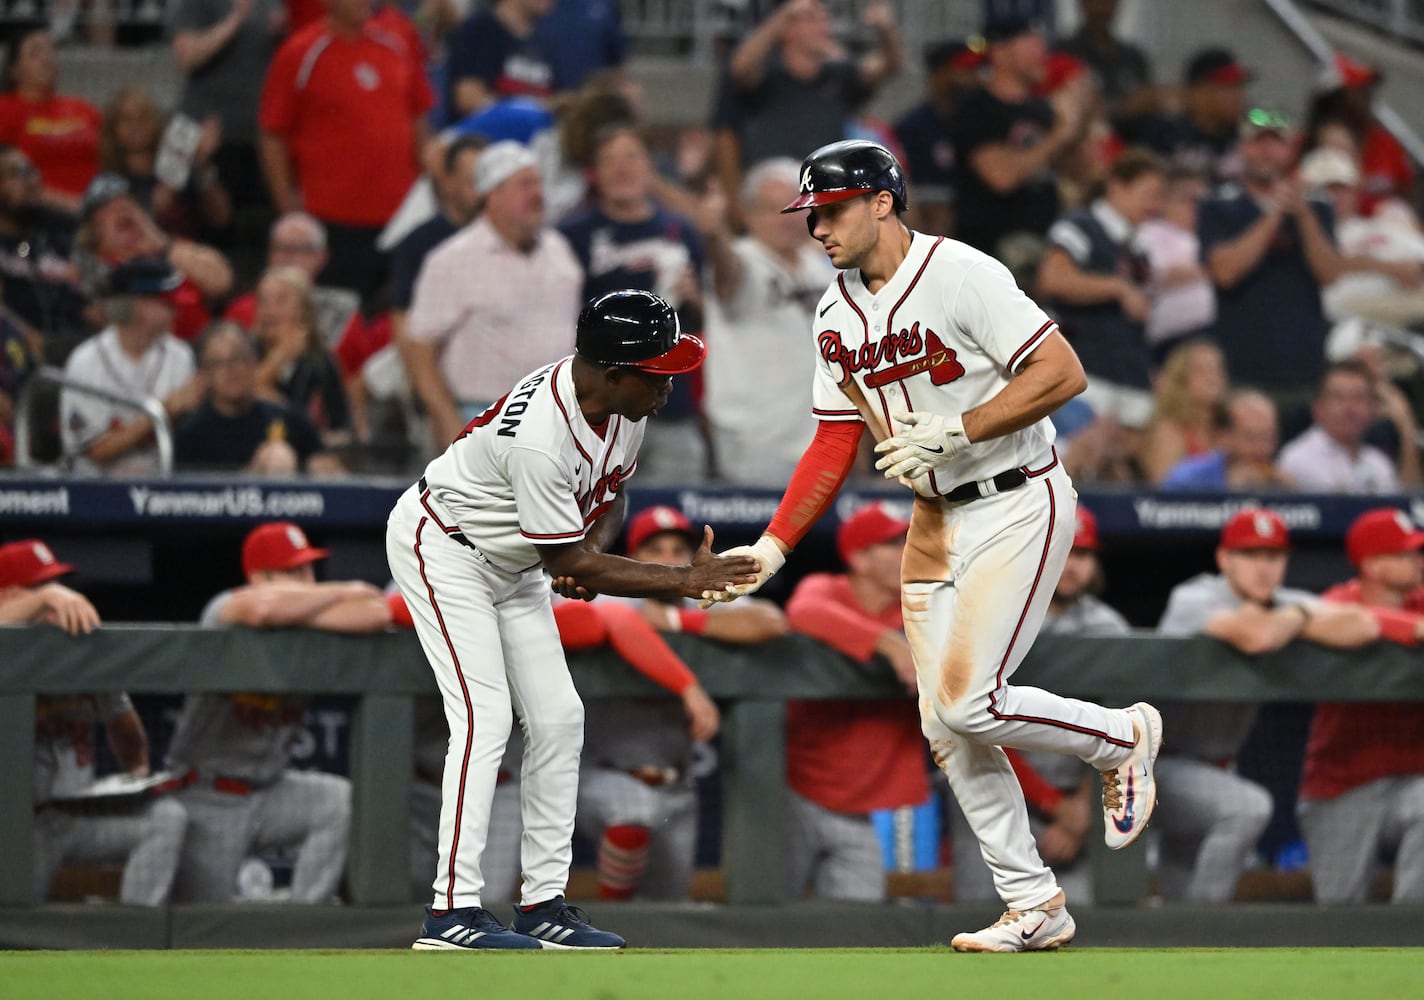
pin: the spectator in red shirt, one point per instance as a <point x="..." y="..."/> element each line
<point x="59" y="134"/>
<point x="115" y="229"/>
<point x="341" y="129"/>
<point x="1362" y="787"/>
<point x="1348" y="100"/>
<point x="845" y="759"/>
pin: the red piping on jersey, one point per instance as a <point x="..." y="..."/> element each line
<point x="469" y="718"/>
<point x="817" y="411"/>
<point x="554" y="538"/>
<point x="999" y="677"/>
<point x="890" y="319"/>
<point x="1035" y="473"/>
<point x="1014" y="358"/>
<point x="865" y="328"/>
<point x="554" y="388"/>
<point x="425" y="502"/>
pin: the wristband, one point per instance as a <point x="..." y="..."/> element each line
<point x="691" y="621"/>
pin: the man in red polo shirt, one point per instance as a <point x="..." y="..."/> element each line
<point x="342" y="123"/>
<point x="845" y="759"/>
<point x="1363" y="781"/>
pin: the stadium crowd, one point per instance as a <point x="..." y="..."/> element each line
<point x="364" y="220"/>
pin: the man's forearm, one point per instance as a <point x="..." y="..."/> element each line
<point x="277" y="171"/>
<point x="1232" y="260"/>
<point x="1324" y="261"/>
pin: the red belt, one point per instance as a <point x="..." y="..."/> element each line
<point x="232" y="786"/>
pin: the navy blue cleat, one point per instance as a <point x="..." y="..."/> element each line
<point x="470" y="929"/>
<point x="555" y="924"/>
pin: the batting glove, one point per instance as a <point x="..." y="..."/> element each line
<point x="927" y="442"/>
<point x="769" y="558"/>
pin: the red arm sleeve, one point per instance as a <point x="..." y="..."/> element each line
<point x="646" y="652"/>
<point x="817" y="479"/>
<point x="1397" y="626"/>
<point x="1038" y="793"/>
<point x="815" y="610"/>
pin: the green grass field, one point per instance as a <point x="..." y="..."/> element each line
<point x="876" y="974"/>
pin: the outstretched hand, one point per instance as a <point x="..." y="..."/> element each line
<point x="768" y="558"/>
<point x="731" y="571"/>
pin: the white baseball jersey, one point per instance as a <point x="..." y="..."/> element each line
<point x="757" y="400"/>
<point x="101" y="362"/>
<point x="944" y="334"/>
<point x="531" y="470"/>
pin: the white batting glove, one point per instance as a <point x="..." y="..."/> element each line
<point x="769" y="559"/>
<point x="926" y="442"/>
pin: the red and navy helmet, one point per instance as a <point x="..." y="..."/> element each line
<point x="632" y="328"/>
<point x="847" y="169"/>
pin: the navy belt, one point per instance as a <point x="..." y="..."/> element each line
<point x="1003" y="482"/>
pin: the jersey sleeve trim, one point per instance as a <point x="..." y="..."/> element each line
<point x="563" y="536"/>
<point x="822" y="414"/>
<point x="1029" y="345"/>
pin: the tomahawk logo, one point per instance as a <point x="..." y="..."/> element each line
<point x="806" y="179"/>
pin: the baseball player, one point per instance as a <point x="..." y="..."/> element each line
<point x="637" y="797"/>
<point x="245" y="798"/>
<point x="1362" y="786"/>
<point x="1212" y="818"/>
<point x="534" y="482"/>
<point x="71" y="823"/>
<point x="955" y="370"/>
<point x="1057" y="789"/>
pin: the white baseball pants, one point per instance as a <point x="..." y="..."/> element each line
<point x="977" y="578"/>
<point x="490" y="637"/>
<point x="147" y="838"/>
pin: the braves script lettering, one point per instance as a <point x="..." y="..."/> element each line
<point x="938" y="360"/>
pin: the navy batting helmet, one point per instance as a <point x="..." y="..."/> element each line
<point x="844" y="170"/>
<point x="636" y="329"/>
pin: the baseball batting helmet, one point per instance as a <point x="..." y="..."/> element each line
<point x="844" y="170"/>
<point x="632" y="328"/>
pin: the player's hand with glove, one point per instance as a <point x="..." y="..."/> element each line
<point x="923" y="443"/>
<point x="712" y="573"/>
<point x="770" y="557"/>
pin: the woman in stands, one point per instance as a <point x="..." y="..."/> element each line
<point x="297" y="368"/>
<point x="1189" y="396"/>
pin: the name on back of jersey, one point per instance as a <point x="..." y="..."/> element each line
<point x="509" y="408"/>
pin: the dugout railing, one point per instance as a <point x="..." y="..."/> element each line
<point x="385" y="672"/>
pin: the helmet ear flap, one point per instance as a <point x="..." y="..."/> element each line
<point x="811" y="223"/>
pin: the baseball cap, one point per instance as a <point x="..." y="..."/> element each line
<point x="955" y="54"/>
<point x="1325" y="166"/>
<point x="278" y="545"/>
<point x="104" y="188"/>
<point x="1255" y="528"/>
<point x="501" y="161"/>
<point x="1085" y="535"/>
<point x="1347" y="72"/>
<point x="1006" y="29"/>
<point x="1383" y="531"/>
<point x="28" y="562"/>
<point x="656" y="521"/>
<point x="1215" y="65"/>
<point x="143" y="276"/>
<point x="871" y="525"/>
<point x="1260" y="120"/>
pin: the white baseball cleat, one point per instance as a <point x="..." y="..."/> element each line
<point x="1022" y="930"/>
<point x="1129" y="790"/>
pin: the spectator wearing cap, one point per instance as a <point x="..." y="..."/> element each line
<point x="1123" y="72"/>
<point x="1269" y="250"/>
<point x="789" y="87"/>
<point x="1245" y="451"/>
<point x="628" y="239"/>
<point x="1093" y="278"/>
<point x="233" y="430"/>
<point x="763" y="295"/>
<point x="1006" y="140"/>
<point x="58" y="133"/>
<point x="340" y="128"/>
<point x="1389" y="238"/>
<point x="143" y="833"/>
<point x="1211" y="821"/>
<point x="1345" y="99"/>
<point x="1362" y="783"/>
<point x="1203" y="137"/>
<point x="41" y="285"/>
<point x="495" y="301"/>
<point x="1059" y="790"/>
<point x="114" y="228"/>
<point x="1332" y="456"/>
<point x="951" y="70"/>
<point x="245" y="797"/>
<point x="637" y="798"/>
<point x="137" y="358"/>
<point x="846" y="759"/>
